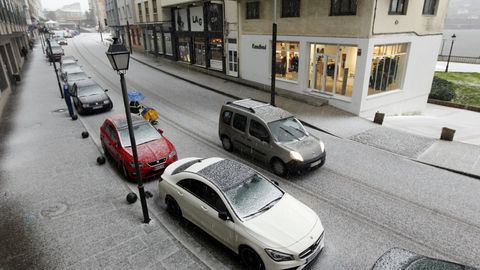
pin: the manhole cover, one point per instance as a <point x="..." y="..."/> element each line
<point x="60" y="110"/>
<point x="54" y="210"/>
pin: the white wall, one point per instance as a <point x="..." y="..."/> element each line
<point x="412" y="97"/>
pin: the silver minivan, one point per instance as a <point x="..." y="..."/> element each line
<point x="271" y="135"/>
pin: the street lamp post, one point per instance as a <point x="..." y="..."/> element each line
<point x="450" y="53"/>
<point x="119" y="58"/>
<point x="51" y="58"/>
<point x="100" y="30"/>
<point x="274" y="48"/>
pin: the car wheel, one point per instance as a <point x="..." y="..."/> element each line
<point x="227" y="143"/>
<point x="251" y="259"/>
<point x="278" y="167"/>
<point x="172" y="207"/>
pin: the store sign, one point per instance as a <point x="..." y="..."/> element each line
<point x="181" y="19"/>
<point x="216" y="64"/>
<point x="259" y="46"/>
<point x="196" y="19"/>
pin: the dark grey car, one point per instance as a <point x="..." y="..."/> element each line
<point x="269" y="134"/>
<point x="89" y="97"/>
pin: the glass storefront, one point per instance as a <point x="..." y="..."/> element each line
<point x="216" y="53"/>
<point x="159" y="43"/>
<point x="332" y="69"/>
<point x="168" y="44"/>
<point x="184" y="49"/>
<point x="286" y="60"/>
<point x="388" y="68"/>
<point x="200" y="51"/>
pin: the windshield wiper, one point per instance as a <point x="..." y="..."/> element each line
<point x="287" y="131"/>
<point x="265" y="208"/>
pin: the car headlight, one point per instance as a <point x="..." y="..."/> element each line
<point x="172" y="154"/>
<point x="85" y="105"/>
<point x="322" y="146"/>
<point x="296" y="156"/>
<point x="132" y="164"/>
<point x="106" y="101"/>
<point x="279" y="256"/>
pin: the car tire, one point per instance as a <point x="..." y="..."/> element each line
<point x="172" y="207"/>
<point x="278" y="167"/>
<point x="251" y="259"/>
<point x="227" y="143"/>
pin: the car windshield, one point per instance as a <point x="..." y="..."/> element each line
<point x="57" y="50"/>
<point x="287" y="130"/>
<point x="89" y="90"/>
<point x="253" y="196"/>
<point x="143" y="133"/>
<point x="430" y="264"/>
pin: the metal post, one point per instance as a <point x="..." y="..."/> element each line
<point x="41" y="42"/>
<point x="450" y="53"/>
<point x="100" y="30"/>
<point x="54" y="66"/>
<point x="129" y="38"/>
<point x="141" y="190"/>
<point x="274" y="46"/>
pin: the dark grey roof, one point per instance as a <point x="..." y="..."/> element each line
<point x="227" y="173"/>
<point x="263" y="110"/>
<point x="121" y="123"/>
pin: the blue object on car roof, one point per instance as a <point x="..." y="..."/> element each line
<point x="135" y="96"/>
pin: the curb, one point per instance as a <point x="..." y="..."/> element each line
<point x="454" y="105"/>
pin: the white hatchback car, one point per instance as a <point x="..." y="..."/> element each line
<point x="244" y="210"/>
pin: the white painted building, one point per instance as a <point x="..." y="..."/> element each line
<point x="362" y="56"/>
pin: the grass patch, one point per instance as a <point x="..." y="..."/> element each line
<point x="466" y="86"/>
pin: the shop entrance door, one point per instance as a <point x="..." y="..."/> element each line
<point x="232" y="60"/>
<point x="322" y="73"/>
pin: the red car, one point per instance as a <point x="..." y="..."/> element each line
<point x="155" y="152"/>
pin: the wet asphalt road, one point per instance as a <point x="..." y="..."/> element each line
<point x="369" y="200"/>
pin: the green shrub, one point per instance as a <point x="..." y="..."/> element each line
<point x="442" y="89"/>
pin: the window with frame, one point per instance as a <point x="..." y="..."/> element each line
<point x="343" y="7"/>
<point x="387" y="72"/>
<point x="290" y="8"/>
<point x="429" y="7"/>
<point x="111" y="133"/>
<point x="253" y="10"/>
<point x="240" y="122"/>
<point x="227" y="117"/>
<point x="147" y="12"/>
<point x="155" y="14"/>
<point x="204" y="193"/>
<point x="140" y="15"/>
<point x="258" y="131"/>
<point x="287" y="55"/>
<point x="398" y="7"/>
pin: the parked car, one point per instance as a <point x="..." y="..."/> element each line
<point x="56" y="53"/>
<point x="271" y="135"/>
<point x="155" y="151"/>
<point x="66" y="68"/>
<point x="402" y="259"/>
<point x="244" y="210"/>
<point x="75" y="76"/>
<point x="62" y="41"/>
<point x="69" y="59"/>
<point x="89" y="97"/>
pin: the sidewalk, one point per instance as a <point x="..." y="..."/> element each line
<point x="59" y="209"/>
<point x="454" y="156"/>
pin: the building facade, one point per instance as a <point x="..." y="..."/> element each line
<point x="13" y="37"/>
<point x="362" y="56"/>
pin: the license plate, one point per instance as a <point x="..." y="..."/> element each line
<point x="315" y="163"/>
<point x="98" y="107"/>
<point x="159" y="167"/>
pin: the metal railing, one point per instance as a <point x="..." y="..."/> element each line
<point x="460" y="59"/>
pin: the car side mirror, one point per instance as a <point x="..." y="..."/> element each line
<point x="160" y="130"/>
<point x="276" y="183"/>
<point x="224" y="216"/>
<point x="106" y="90"/>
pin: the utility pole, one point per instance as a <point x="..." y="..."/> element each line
<point x="100" y="30"/>
<point x="274" y="48"/>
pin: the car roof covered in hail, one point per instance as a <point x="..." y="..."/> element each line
<point x="223" y="173"/>
<point x="121" y="122"/>
<point x="263" y="110"/>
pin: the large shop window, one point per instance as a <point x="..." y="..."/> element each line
<point x="388" y="68"/>
<point x="168" y="44"/>
<point x="3" y="79"/>
<point x="216" y="53"/>
<point x="286" y="60"/>
<point x="184" y="49"/>
<point x="343" y="7"/>
<point x="159" y="42"/>
<point x="332" y="69"/>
